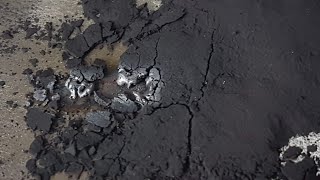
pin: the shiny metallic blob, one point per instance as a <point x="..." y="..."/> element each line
<point x="80" y="82"/>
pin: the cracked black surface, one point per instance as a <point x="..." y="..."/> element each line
<point x="237" y="84"/>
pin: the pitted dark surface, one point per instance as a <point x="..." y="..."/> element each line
<point x="237" y="80"/>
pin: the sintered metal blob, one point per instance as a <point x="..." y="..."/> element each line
<point x="80" y="81"/>
<point x="78" y="89"/>
<point x="152" y="81"/>
<point x="139" y="99"/>
<point x="128" y="78"/>
<point x="154" y="85"/>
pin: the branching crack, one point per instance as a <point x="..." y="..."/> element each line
<point x="171" y="22"/>
<point x="157" y="29"/>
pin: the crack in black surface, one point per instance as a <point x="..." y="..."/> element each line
<point x="186" y="165"/>
<point x="156" y="56"/>
<point x="159" y="28"/>
<point x="205" y="81"/>
<point x="118" y="154"/>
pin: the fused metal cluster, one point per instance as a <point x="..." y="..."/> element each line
<point x="80" y="82"/>
<point x="130" y="78"/>
<point x="151" y="78"/>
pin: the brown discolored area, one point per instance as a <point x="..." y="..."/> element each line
<point x="110" y="54"/>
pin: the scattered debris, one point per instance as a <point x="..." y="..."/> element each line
<point x="27" y="71"/>
<point x="6" y="34"/>
<point x="12" y="104"/>
<point x="31" y="31"/>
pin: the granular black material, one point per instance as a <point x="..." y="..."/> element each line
<point x="239" y="78"/>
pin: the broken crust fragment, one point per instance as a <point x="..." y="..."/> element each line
<point x="100" y="100"/>
<point x="39" y="120"/>
<point x="99" y="118"/>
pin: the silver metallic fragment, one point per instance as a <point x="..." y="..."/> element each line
<point x="80" y="82"/>
<point x="153" y="83"/>
<point x="128" y="78"/>
<point x="78" y="89"/>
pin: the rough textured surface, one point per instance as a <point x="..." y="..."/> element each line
<point x="238" y="80"/>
